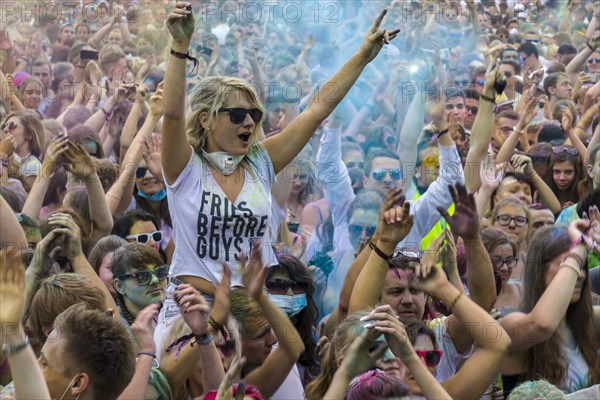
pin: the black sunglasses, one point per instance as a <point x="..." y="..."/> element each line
<point x="356" y="230"/>
<point x="472" y="109"/>
<point x="144" y="277"/>
<point x="279" y="286"/>
<point x="141" y="172"/>
<point x="238" y="115"/>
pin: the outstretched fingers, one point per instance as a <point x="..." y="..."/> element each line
<point x="377" y="22"/>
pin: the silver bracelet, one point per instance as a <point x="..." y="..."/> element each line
<point x="11" y="349"/>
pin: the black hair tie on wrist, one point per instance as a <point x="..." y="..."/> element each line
<point x="186" y="56"/>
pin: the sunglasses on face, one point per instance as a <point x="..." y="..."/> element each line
<point x="565" y="149"/>
<point x="379" y="174"/>
<point x="431" y="357"/>
<point x="10" y="125"/>
<point x="357" y="230"/>
<point x="505" y="220"/>
<point x="238" y="115"/>
<point x="479" y="82"/>
<point x="535" y="41"/>
<point x="144" y="238"/>
<point x="498" y="262"/>
<point x="140" y="172"/>
<point x="143" y="278"/>
<point x="593" y="60"/>
<point x="472" y="109"/>
<point x="279" y="286"/>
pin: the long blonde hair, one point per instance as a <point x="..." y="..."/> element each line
<point x="209" y="95"/>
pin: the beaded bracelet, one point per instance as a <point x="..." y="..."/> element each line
<point x="575" y="256"/>
<point x="570" y="266"/>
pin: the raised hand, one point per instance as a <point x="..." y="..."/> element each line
<point x="359" y="359"/>
<point x="375" y="39"/>
<point x="222" y="302"/>
<point x="79" y="162"/>
<point x="57" y="147"/>
<point x="567" y="118"/>
<point x="492" y="76"/>
<point x="193" y="308"/>
<point x="181" y="23"/>
<point x="64" y="225"/>
<point x="156" y="101"/>
<point x="522" y="163"/>
<point x="153" y="157"/>
<point x="7" y="145"/>
<point x="12" y="289"/>
<point x="384" y="320"/>
<point x="432" y="283"/>
<point x="395" y="224"/>
<point x="143" y="331"/>
<point x="253" y="271"/>
<point x="465" y="221"/>
<point x="225" y="388"/>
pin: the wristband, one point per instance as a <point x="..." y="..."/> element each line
<point x="11" y="349"/>
<point x="486" y="98"/>
<point x="518" y="131"/>
<point x="378" y="251"/>
<point x="186" y="56"/>
<point x="590" y="46"/>
<point x="203" y="340"/>
<point x="437" y="135"/>
<point x="146" y="354"/>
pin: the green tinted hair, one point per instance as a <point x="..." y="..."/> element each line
<point x="160" y="382"/>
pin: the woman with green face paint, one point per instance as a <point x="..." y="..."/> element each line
<point x="140" y="278"/>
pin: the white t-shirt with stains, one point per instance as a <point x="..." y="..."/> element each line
<point x="209" y="229"/>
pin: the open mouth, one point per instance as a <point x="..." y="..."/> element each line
<point x="245" y="137"/>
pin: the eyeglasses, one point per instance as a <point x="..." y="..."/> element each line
<point x="498" y="262"/>
<point x="144" y="238"/>
<point x="479" y="82"/>
<point x="379" y="174"/>
<point x="238" y="115"/>
<point x="565" y="149"/>
<point x="464" y="82"/>
<point x="505" y="220"/>
<point x="472" y="109"/>
<point x="593" y="60"/>
<point x="143" y="278"/>
<point x="141" y="172"/>
<point x="279" y="286"/>
<point x="432" y="357"/>
<point x="10" y="125"/>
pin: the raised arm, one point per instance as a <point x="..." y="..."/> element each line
<point x="483" y="366"/>
<point x="529" y="329"/>
<point x="11" y="233"/>
<point x="271" y="374"/>
<point x="80" y="164"/>
<point x="481" y="131"/>
<point x="527" y="109"/>
<point x="524" y="165"/>
<point x="409" y="135"/>
<point x="143" y="333"/>
<point x="176" y="149"/>
<point x="65" y="226"/>
<point x="35" y="199"/>
<point x="130" y="127"/>
<point x="579" y="60"/>
<point x="284" y="147"/>
<point x="96" y="40"/>
<point x="28" y="377"/>
<point x="393" y="226"/>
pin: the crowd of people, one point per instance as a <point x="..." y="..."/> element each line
<point x="302" y="200"/>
